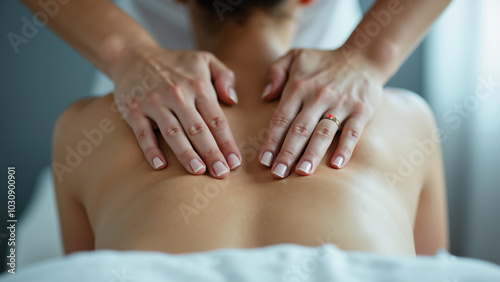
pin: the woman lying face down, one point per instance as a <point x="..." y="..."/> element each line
<point x="390" y="198"/>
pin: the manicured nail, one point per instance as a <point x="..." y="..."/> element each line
<point x="233" y="96"/>
<point x="233" y="161"/>
<point x="338" y="162"/>
<point x="280" y="170"/>
<point x="267" y="90"/>
<point x="220" y="168"/>
<point x="157" y="162"/>
<point x="195" y="165"/>
<point x="305" y="167"/>
<point x="266" y="158"/>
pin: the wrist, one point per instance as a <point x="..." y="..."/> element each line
<point x="378" y="56"/>
<point x="118" y="52"/>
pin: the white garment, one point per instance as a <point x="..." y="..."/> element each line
<point x="325" y="24"/>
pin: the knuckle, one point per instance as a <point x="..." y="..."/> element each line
<point x="217" y="123"/>
<point x="352" y="134"/>
<point x="225" y="145"/>
<point x="271" y="142"/>
<point x="143" y="134"/>
<point x="173" y="131"/>
<point x="300" y="130"/>
<point x="204" y="55"/>
<point x="198" y="84"/>
<point x="154" y="98"/>
<point x="211" y="153"/>
<point x="323" y="132"/>
<point x="311" y="155"/>
<point x="186" y="154"/>
<point x="288" y="155"/>
<point x="299" y="85"/>
<point x="361" y="108"/>
<point x="279" y="120"/>
<point x="133" y="109"/>
<point x="176" y="92"/>
<point x="345" y="151"/>
<point x="197" y="128"/>
<point x="324" y="94"/>
<point x="341" y="99"/>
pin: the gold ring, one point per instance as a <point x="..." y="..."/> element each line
<point x="332" y="118"/>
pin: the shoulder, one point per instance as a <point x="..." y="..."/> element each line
<point x="76" y="132"/>
<point x="408" y="101"/>
<point x="408" y="126"/>
<point x="67" y="123"/>
<point x="79" y="112"/>
<point x="411" y="109"/>
<point x="83" y="115"/>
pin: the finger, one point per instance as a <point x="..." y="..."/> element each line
<point x="278" y="73"/>
<point x="295" y="142"/>
<point x="349" y="138"/>
<point x="146" y="137"/>
<point x="177" y="140"/>
<point x="217" y="123"/>
<point x="223" y="79"/>
<point x="203" y="141"/>
<point x="321" y="140"/>
<point x="280" y="122"/>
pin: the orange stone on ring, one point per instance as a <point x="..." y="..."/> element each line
<point x="332" y="118"/>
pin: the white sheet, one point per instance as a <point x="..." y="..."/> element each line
<point x="274" y="263"/>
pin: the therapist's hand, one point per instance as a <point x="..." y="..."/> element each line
<point x="177" y="92"/>
<point x="314" y="83"/>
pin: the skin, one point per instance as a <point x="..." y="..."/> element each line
<point x="114" y="200"/>
<point x="185" y="84"/>
<point x="346" y="82"/>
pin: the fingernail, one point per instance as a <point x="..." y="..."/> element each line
<point x="280" y="170"/>
<point x="195" y="165"/>
<point x="266" y="158"/>
<point x="220" y="168"/>
<point x="233" y="96"/>
<point x="233" y="161"/>
<point x="338" y="161"/>
<point x="157" y="162"/>
<point x="305" y="167"/>
<point x="267" y="90"/>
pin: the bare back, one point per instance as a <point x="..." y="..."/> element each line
<point x="113" y="199"/>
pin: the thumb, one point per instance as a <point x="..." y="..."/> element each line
<point x="223" y="79"/>
<point x="278" y="74"/>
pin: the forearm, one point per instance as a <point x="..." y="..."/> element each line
<point x="391" y="30"/>
<point x="98" y="29"/>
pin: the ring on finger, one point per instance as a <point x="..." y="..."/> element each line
<point x="332" y="118"/>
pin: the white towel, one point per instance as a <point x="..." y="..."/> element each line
<point x="284" y="262"/>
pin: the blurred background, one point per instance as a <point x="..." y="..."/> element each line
<point x="456" y="69"/>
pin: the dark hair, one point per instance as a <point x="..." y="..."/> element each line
<point x="239" y="9"/>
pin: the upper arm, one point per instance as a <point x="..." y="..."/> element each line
<point x="431" y="223"/>
<point x="76" y="230"/>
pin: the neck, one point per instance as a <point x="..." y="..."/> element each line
<point x="253" y="44"/>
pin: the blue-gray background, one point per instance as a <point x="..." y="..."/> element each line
<point x="47" y="75"/>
